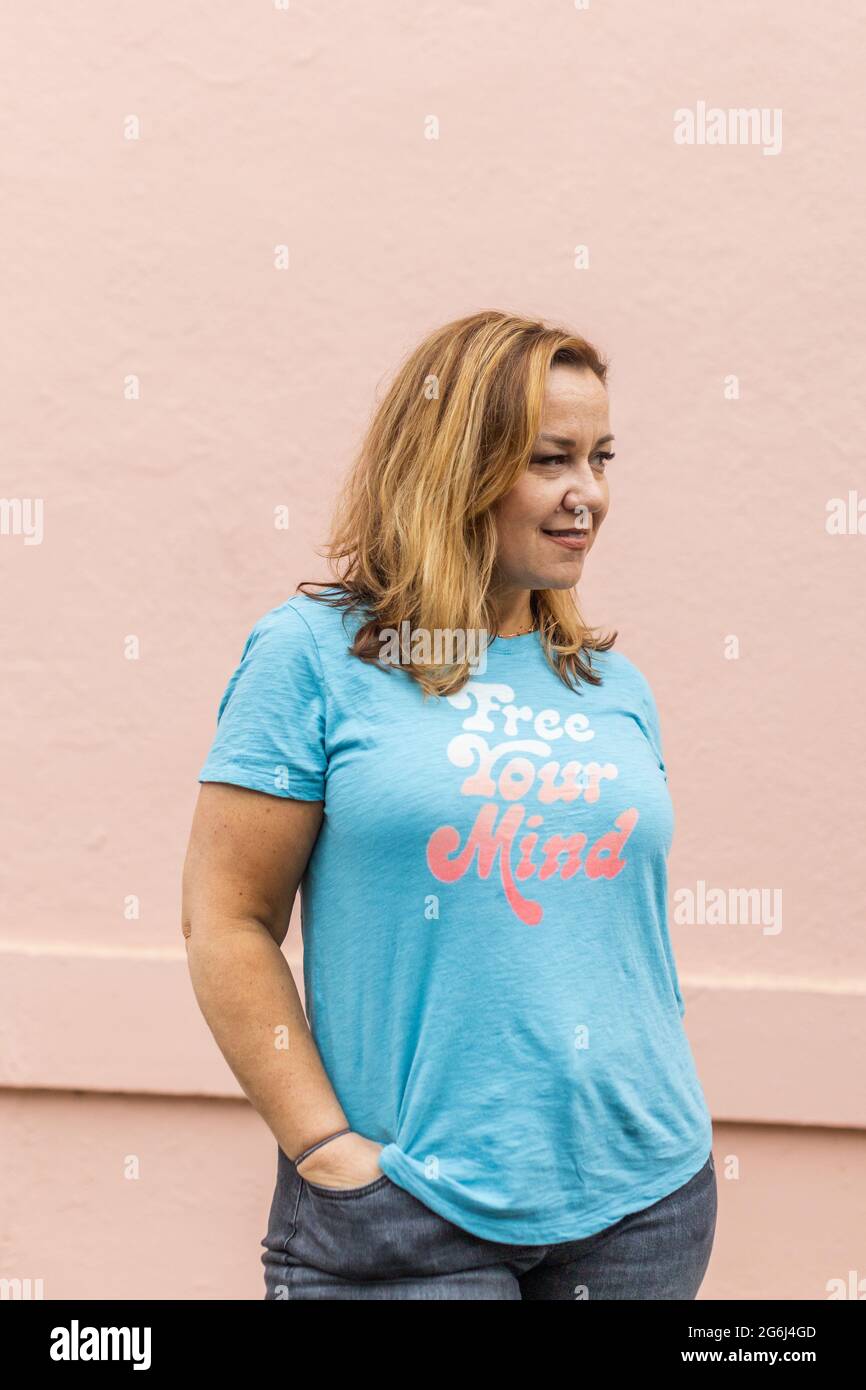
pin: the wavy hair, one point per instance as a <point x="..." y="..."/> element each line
<point x="414" y="537"/>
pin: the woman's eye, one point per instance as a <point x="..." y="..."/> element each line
<point x="563" y="458"/>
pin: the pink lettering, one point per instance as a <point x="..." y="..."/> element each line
<point x="448" y="862"/>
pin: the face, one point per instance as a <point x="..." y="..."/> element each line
<point x="564" y="473"/>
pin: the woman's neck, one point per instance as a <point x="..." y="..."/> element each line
<point x="513" y="614"/>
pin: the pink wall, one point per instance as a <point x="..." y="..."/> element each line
<point x="168" y="385"/>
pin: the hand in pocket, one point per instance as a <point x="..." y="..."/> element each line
<point x="350" y="1161"/>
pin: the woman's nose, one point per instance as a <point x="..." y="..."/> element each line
<point x="582" y="505"/>
<point x="584" y="499"/>
<point x="587" y="494"/>
<point x="581" y="511"/>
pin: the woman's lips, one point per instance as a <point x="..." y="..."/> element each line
<point x="572" y="540"/>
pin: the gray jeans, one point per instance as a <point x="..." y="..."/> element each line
<point x="379" y="1241"/>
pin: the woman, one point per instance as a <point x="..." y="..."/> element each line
<point x="495" y="1096"/>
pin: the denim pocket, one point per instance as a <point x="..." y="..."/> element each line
<point x="380" y="1231"/>
<point x="343" y="1192"/>
<point x="283" y="1215"/>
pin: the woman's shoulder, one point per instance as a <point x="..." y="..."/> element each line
<point x="612" y="660"/>
<point x="620" y="667"/>
<point x="320" y="621"/>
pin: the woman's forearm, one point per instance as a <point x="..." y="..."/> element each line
<point x="245" y="989"/>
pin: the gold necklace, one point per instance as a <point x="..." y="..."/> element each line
<point x="522" y="632"/>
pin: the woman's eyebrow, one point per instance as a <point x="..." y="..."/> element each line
<point x="565" y="443"/>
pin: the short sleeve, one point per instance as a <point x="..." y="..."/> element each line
<point x="271" y="720"/>
<point x="651" y="722"/>
<point x="652" y="727"/>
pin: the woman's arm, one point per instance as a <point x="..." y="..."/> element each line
<point x="246" y="856"/>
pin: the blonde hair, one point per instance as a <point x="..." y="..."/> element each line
<point x="414" y="537"/>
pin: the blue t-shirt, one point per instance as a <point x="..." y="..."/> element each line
<point x="488" y="973"/>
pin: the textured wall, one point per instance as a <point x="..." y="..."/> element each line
<point x="224" y="225"/>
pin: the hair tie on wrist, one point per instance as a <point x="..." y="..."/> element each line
<point x="307" y="1152"/>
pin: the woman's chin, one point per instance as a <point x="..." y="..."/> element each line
<point x="565" y="578"/>
<point x="565" y="574"/>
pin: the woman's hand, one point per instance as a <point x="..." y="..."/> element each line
<point x="350" y="1161"/>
